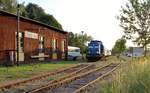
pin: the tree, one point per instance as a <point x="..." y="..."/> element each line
<point x="119" y="46"/>
<point x="50" y="20"/>
<point x="78" y="40"/>
<point x="135" y="20"/>
<point x="31" y="11"/>
<point x="35" y="12"/>
<point x="8" y="5"/>
<point x="71" y="38"/>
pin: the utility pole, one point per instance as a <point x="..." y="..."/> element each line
<point x="17" y="36"/>
<point x="83" y="44"/>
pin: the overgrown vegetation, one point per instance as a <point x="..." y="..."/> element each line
<point x="26" y="71"/>
<point x="133" y="77"/>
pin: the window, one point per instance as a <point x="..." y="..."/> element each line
<point x="63" y="45"/>
<point x="54" y="44"/>
<point x="41" y="44"/>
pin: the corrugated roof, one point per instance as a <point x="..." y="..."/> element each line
<point x="34" y="21"/>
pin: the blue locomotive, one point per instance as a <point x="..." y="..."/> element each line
<point x="95" y="50"/>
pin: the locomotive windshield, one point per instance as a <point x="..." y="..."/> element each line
<point x="93" y="45"/>
<point x="94" y="48"/>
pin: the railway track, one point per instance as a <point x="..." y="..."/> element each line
<point x="77" y="83"/>
<point x="46" y="79"/>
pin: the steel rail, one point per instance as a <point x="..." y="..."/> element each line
<point x="65" y="81"/>
<point x="82" y="70"/>
<point x="87" y="86"/>
<point x="15" y="83"/>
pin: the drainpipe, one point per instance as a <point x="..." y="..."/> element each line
<point x="18" y="26"/>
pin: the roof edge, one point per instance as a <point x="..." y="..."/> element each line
<point x="35" y="21"/>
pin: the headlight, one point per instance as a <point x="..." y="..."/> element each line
<point x="97" y="52"/>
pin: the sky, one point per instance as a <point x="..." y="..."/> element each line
<point x="95" y="17"/>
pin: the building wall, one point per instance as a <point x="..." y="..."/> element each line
<point x="1" y="43"/>
<point x="7" y="36"/>
<point x="8" y="28"/>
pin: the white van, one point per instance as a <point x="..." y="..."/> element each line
<point x="73" y="53"/>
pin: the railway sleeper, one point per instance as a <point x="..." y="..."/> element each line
<point x="62" y="83"/>
<point x="67" y="81"/>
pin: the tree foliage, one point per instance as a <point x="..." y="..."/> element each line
<point x="8" y="5"/>
<point x="78" y="40"/>
<point x="135" y="20"/>
<point x="35" y="12"/>
<point x="119" y="46"/>
<point x="31" y="11"/>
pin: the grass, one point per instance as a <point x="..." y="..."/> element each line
<point x="133" y="77"/>
<point x="26" y="71"/>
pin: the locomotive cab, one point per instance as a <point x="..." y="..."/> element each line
<point x="95" y="50"/>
